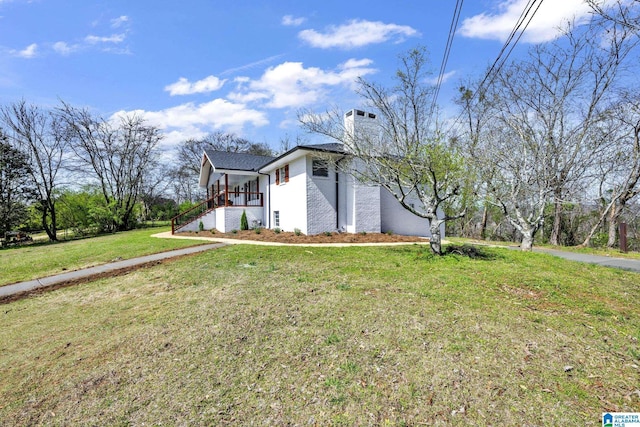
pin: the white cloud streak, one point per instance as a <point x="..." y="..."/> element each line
<point x="545" y="26"/>
<point x="445" y="77"/>
<point x="184" y="87"/>
<point x="114" y="38"/>
<point x="29" y="52"/>
<point x="291" y="85"/>
<point x="64" y="48"/>
<point x="251" y="64"/>
<point x="119" y="21"/>
<point x="291" y="21"/>
<point x="356" y="33"/>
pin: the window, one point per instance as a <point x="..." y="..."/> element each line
<point x="276" y="218"/>
<point x="282" y="175"/>
<point x="320" y="168"/>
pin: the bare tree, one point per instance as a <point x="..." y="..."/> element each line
<point x="189" y="155"/>
<point x="39" y="134"/>
<point x="624" y="13"/>
<point x="474" y="129"/>
<point x="121" y="156"/>
<point x="404" y="154"/>
<point x="545" y="107"/>
<point x="618" y="170"/>
<point x="15" y="187"/>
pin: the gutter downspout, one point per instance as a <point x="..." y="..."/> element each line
<point x="268" y="198"/>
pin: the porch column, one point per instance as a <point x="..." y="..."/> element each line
<point x="226" y="190"/>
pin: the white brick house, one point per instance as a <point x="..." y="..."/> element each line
<point x="300" y="189"/>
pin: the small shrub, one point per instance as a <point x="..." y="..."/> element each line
<point x="213" y="231"/>
<point x="234" y="231"/>
<point x="389" y="233"/>
<point x="328" y="233"/>
<point x="297" y="231"/>
<point x="364" y="233"/>
<point x="201" y="226"/>
<point x="244" y="223"/>
<point x="258" y="230"/>
<point x="277" y="230"/>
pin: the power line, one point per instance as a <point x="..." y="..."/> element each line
<point x="445" y="58"/>
<point x="508" y="47"/>
<point x="498" y="63"/>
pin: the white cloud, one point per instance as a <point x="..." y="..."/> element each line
<point x="251" y="64"/>
<point x="184" y="87"/>
<point x="205" y="117"/>
<point x="119" y="21"/>
<point x="64" y="48"/>
<point x="28" y="52"/>
<point x="545" y="26"/>
<point x="291" y="85"/>
<point x="445" y="78"/>
<point x="356" y="33"/>
<point x="114" y="38"/>
<point x="291" y="21"/>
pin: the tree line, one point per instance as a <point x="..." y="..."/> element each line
<point x="69" y="168"/>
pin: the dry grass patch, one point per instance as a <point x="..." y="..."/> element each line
<point x="327" y="336"/>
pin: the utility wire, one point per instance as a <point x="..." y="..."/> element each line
<point x="508" y="47"/>
<point x="498" y="63"/>
<point x="445" y="58"/>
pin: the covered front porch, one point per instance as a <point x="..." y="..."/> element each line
<point x="239" y="190"/>
<point x="228" y="195"/>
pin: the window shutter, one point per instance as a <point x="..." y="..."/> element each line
<point x="277" y="176"/>
<point x="286" y="173"/>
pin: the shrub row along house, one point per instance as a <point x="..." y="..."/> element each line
<point x="304" y="188"/>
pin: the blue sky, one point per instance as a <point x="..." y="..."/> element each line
<point x="195" y="66"/>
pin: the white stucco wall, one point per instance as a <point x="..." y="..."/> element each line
<point x="366" y="208"/>
<point x="321" y="201"/>
<point x="398" y="220"/>
<point x="208" y="222"/>
<point x="290" y="198"/>
<point x="362" y="206"/>
<point x="228" y="218"/>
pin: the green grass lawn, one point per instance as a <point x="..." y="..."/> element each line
<point x="19" y="263"/>
<point x="328" y="336"/>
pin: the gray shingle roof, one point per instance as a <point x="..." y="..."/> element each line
<point x="250" y="162"/>
<point x="237" y="161"/>
<point x="333" y="147"/>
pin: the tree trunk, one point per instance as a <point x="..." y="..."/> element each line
<point x="554" y="239"/>
<point x="436" y="238"/>
<point x="527" y="241"/>
<point x="601" y="220"/>
<point x="51" y="232"/>
<point x="613" y="225"/>
<point x="483" y="224"/>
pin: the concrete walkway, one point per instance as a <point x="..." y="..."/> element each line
<point x="73" y="276"/>
<point x="622" y="263"/>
